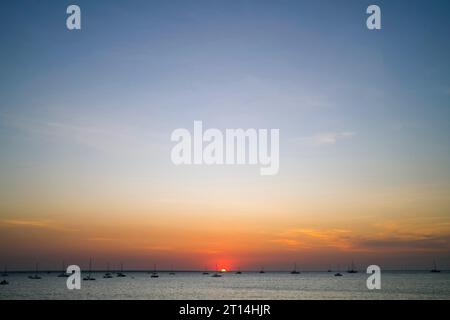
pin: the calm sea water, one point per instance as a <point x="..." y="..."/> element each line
<point x="191" y="285"/>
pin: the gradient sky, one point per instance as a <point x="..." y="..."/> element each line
<point x="86" y="118"/>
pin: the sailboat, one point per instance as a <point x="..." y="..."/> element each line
<point x="295" y="269"/>
<point x="352" y="269"/>
<point x="88" y="277"/>
<point x="5" y="272"/>
<point x="206" y="271"/>
<point x="172" y="273"/>
<point x="154" y="273"/>
<point x="63" y="273"/>
<point x="35" y="276"/>
<point x="239" y="271"/>
<point x="121" y="274"/>
<point x="338" y="274"/>
<point x="216" y="274"/>
<point x="108" y="274"/>
<point x="435" y="269"/>
<point x="262" y="270"/>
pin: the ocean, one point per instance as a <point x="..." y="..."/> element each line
<point x="249" y="285"/>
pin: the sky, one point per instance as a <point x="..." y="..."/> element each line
<point x="86" y="118"/>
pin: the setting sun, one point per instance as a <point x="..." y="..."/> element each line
<point x="223" y="270"/>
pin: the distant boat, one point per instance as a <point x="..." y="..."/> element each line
<point x="172" y="273"/>
<point x="435" y="269"/>
<point x="4" y="283"/>
<point x="63" y="273"/>
<point x="88" y="277"/>
<point x="120" y="274"/>
<point x="154" y="273"/>
<point x="108" y="274"/>
<point x="5" y="273"/>
<point x="262" y="270"/>
<point x="239" y="271"/>
<point x="295" y="269"/>
<point x="216" y="274"/>
<point x="35" y="276"/>
<point x="206" y="271"/>
<point x="338" y="274"/>
<point x="352" y="269"/>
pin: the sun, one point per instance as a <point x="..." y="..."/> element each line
<point x="223" y="270"/>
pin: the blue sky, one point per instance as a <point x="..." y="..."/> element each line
<point x="308" y="68"/>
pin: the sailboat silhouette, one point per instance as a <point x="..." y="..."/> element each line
<point x="206" y="271"/>
<point x="63" y="273"/>
<point x="89" y="277"/>
<point x="35" y="276"/>
<point x="338" y="274"/>
<point x="352" y="269"/>
<point x="295" y="269"/>
<point x="154" y="273"/>
<point x="5" y="272"/>
<point x="216" y="274"/>
<point x="121" y="274"/>
<point x="435" y="269"/>
<point x="108" y="274"/>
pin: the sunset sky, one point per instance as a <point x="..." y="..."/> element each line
<point x="86" y="118"/>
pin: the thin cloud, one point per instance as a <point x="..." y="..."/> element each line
<point x="29" y="223"/>
<point x="381" y="239"/>
<point x="101" y="137"/>
<point x="424" y="243"/>
<point x="326" y="138"/>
